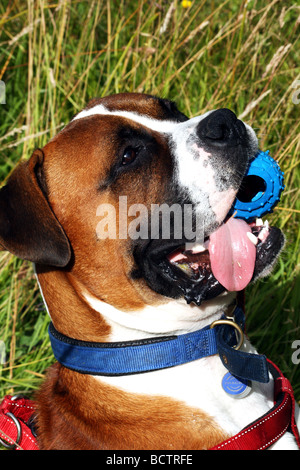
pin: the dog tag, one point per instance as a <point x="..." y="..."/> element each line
<point x="237" y="388"/>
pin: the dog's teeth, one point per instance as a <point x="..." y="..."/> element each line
<point x="266" y="224"/>
<point x="259" y="222"/>
<point x="252" y="238"/>
<point x="263" y="234"/>
<point x="198" y="248"/>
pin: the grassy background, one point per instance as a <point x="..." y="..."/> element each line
<point x="56" y="55"/>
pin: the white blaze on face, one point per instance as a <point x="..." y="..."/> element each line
<point x="154" y="124"/>
<point x="196" y="174"/>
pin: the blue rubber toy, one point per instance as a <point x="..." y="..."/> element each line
<point x="261" y="188"/>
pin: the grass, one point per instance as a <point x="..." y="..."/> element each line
<point x="56" y="55"/>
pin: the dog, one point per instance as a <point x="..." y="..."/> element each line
<point x="82" y="210"/>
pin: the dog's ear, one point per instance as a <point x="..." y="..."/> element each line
<point x="28" y="226"/>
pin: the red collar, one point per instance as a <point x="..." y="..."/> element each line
<point x="16" y="430"/>
<point x="16" y="415"/>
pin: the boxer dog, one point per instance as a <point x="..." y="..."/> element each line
<point x="115" y="284"/>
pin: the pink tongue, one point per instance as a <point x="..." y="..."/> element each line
<point x="232" y="254"/>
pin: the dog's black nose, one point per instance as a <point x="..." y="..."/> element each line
<point x="221" y="128"/>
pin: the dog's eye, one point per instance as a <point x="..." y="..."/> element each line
<point x="129" y="155"/>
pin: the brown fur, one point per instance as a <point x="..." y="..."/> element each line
<point x="75" y="412"/>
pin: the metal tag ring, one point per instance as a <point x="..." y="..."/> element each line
<point x="235" y="325"/>
<point x="19" y="433"/>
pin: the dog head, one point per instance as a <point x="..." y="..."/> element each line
<point x="133" y="187"/>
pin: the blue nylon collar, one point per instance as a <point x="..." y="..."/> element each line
<point x="132" y="357"/>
